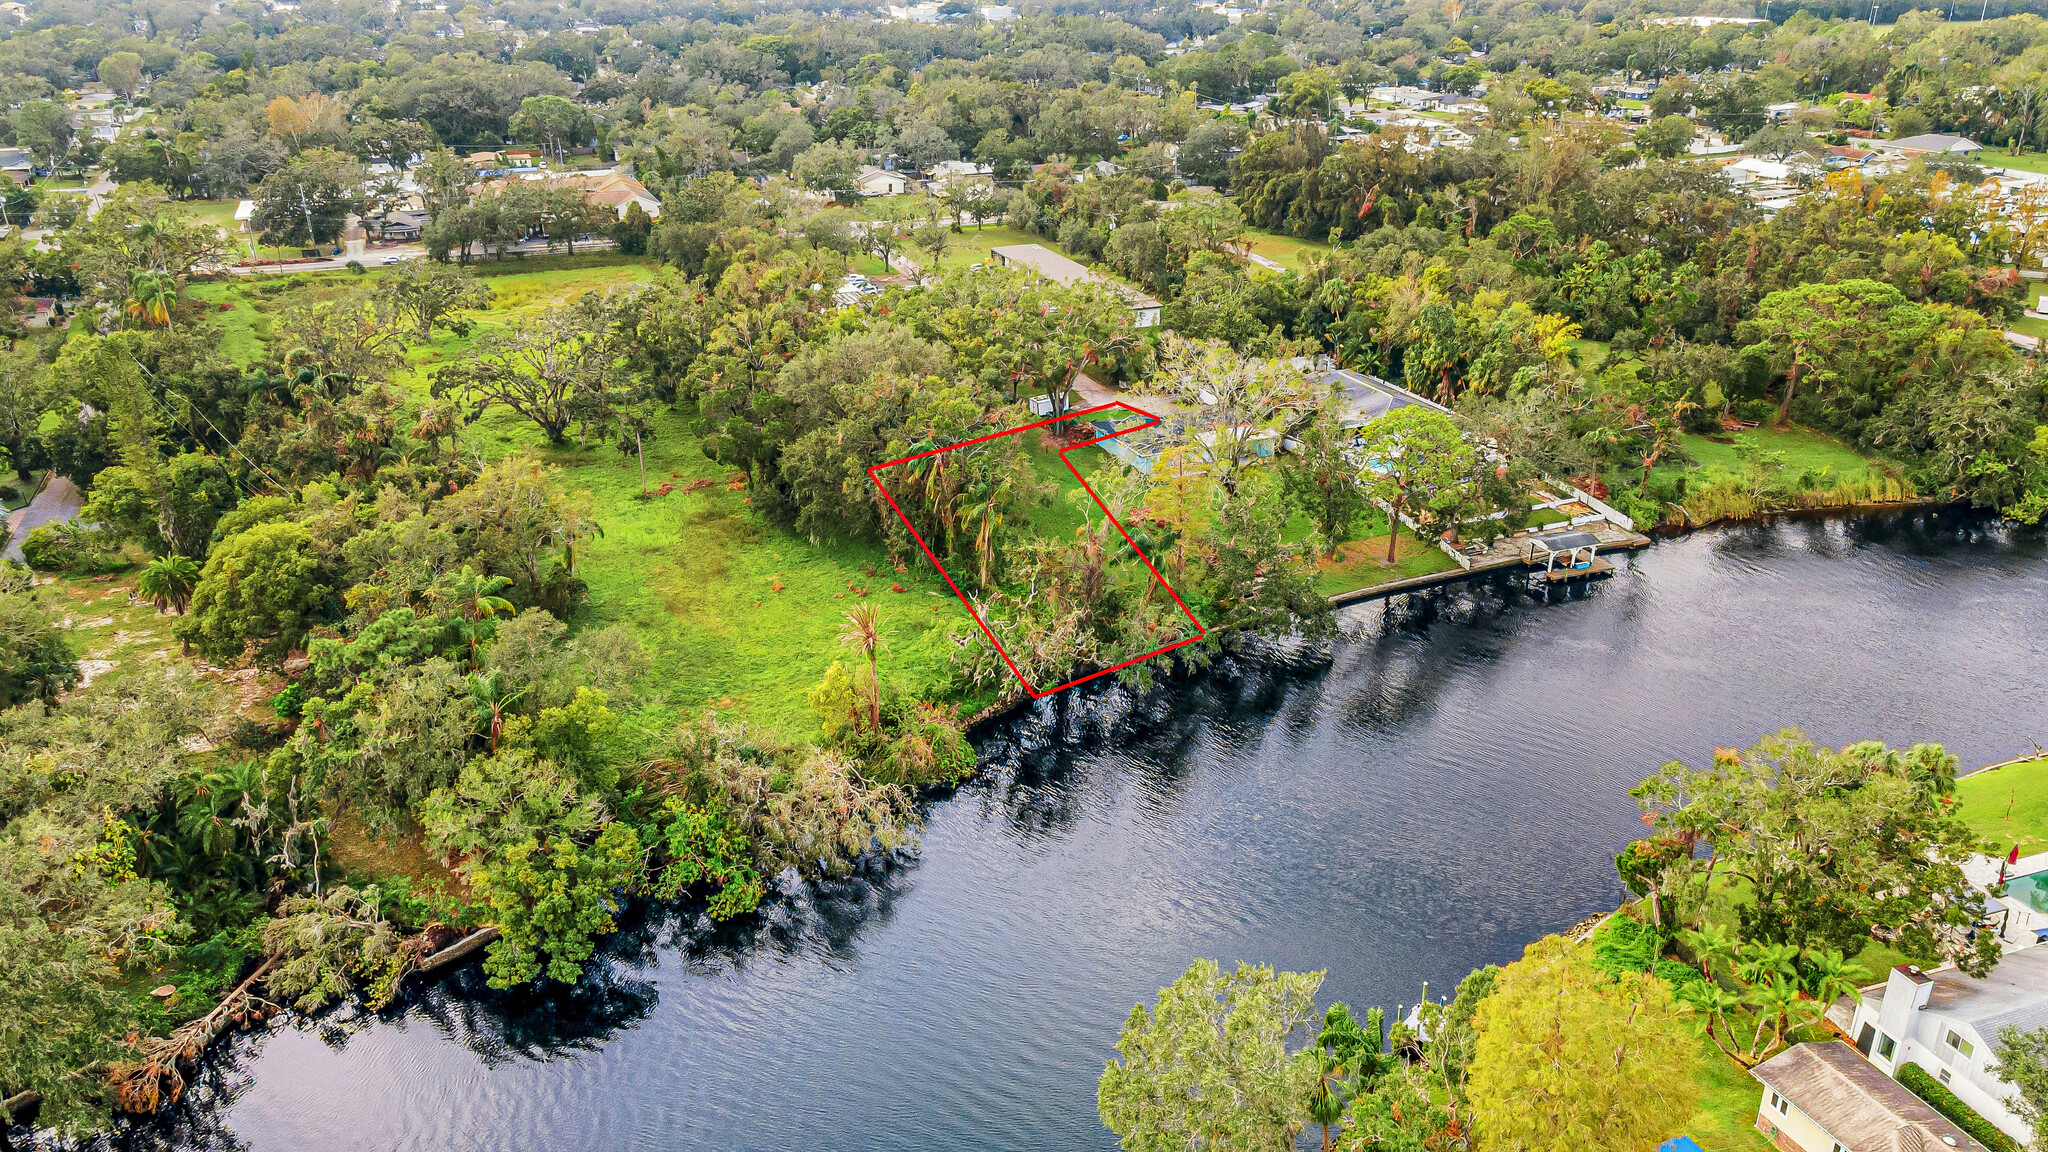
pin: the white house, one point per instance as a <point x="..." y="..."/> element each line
<point x="1948" y="1023"/>
<point x="945" y="172"/>
<point x="1407" y="96"/>
<point x="998" y="13"/>
<point x="872" y="181"/>
<point x="1826" y="1098"/>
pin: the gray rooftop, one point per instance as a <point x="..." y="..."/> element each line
<point x="1566" y="541"/>
<point x="2015" y="993"/>
<point x="1367" y="398"/>
<point x="1933" y="142"/>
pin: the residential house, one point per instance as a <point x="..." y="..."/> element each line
<point x="1781" y="111"/>
<point x="925" y="13"/>
<point x="873" y="181"/>
<point x="17" y="10"/>
<point x="998" y="13"/>
<point x="17" y="165"/>
<point x="946" y="173"/>
<point x="1948" y="1024"/>
<point x="1929" y="142"/>
<point x="1407" y="96"/>
<point x="608" y="187"/>
<point x="1823" y="1097"/>
<point x="1363" y="398"/>
<point x="1053" y="266"/>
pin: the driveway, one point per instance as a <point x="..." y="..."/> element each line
<point x="59" y="500"/>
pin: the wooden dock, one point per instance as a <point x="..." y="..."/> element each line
<point x="1601" y="566"/>
<point x="1493" y="564"/>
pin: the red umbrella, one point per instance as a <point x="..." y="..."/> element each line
<point x="2014" y="856"/>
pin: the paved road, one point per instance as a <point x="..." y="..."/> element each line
<point x="376" y="257"/>
<point x="59" y="500"/>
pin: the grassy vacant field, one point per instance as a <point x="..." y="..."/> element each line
<point x="971" y="246"/>
<point x="736" y="612"/>
<point x="1803" y="450"/>
<point x="1291" y="251"/>
<point x="219" y="213"/>
<point x="2027" y="162"/>
<point x="2009" y="805"/>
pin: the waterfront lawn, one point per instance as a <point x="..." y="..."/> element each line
<point x="1802" y="449"/>
<point x="2008" y="805"/>
<point x="1358" y="563"/>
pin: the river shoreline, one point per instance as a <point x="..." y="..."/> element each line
<point x="1109" y="835"/>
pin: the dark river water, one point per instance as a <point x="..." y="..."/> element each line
<point x="1451" y="787"/>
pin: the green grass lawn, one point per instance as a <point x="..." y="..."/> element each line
<point x="1359" y="561"/>
<point x="2029" y="326"/>
<point x="1729" y="1095"/>
<point x="2027" y="162"/>
<point x="1804" y="450"/>
<point x="1291" y="251"/>
<point x="970" y="247"/>
<point x="2008" y="805"/>
<point x="219" y="213"/>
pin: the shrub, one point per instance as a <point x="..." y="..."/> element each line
<point x="1678" y="974"/>
<point x="1938" y="1097"/>
<point x="356" y="266"/>
<point x="70" y="547"/>
<point x="1624" y="944"/>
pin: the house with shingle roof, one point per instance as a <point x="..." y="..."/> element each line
<point x="1948" y="1023"/>
<point x="1825" y="1097"/>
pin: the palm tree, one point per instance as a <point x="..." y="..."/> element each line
<point x="1764" y="962"/>
<point x="477" y="605"/>
<point x="492" y="700"/>
<point x="1711" y="945"/>
<point x="862" y="632"/>
<point x="1775" y="1003"/>
<point x="150" y="296"/>
<point x="987" y="506"/>
<point x="1829" y="975"/>
<point x="168" y="583"/>
<point x="1715" y="1002"/>
<point x="1346" y="1058"/>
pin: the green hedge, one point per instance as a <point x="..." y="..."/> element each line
<point x="1939" y="1098"/>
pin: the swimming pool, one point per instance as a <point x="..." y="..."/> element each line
<point x="2031" y="890"/>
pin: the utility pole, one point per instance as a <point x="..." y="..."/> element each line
<point x="308" y="209"/>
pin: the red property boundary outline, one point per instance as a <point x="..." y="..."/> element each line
<point x="1150" y="421"/>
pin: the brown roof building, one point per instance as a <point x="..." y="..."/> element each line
<point x="1828" y="1098"/>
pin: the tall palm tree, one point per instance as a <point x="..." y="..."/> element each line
<point x="168" y="583"/>
<point x="862" y="632"/>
